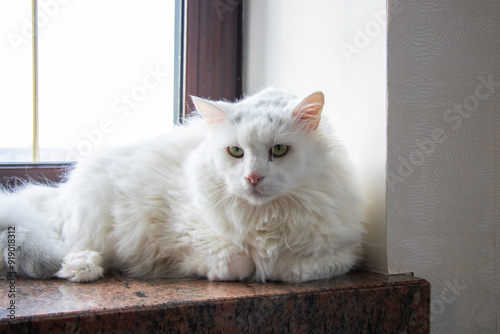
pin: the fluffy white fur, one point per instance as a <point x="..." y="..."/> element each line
<point x="182" y="206"/>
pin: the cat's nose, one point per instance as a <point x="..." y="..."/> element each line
<point x="254" y="178"/>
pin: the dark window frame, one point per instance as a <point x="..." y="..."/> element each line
<point x="211" y="67"/>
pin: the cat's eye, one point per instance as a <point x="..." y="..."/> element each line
<point x="235" y="151"/>
<point x="278" y="150"/>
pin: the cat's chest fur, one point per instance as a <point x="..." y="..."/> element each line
<point x="269" y="236"/>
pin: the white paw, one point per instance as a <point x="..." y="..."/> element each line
<point x="83" y="266"/>
<point x="237" y="268"/>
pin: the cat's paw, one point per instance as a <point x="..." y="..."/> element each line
<point x="313" y="268"/>
<point x="83" y="266"/>
<point x="235" y="268"/>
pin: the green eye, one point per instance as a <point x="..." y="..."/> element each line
<point x="278" y="150"/>
<point x="235" y="151"/>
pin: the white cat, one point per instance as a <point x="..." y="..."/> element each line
<point x="254" y="190"/>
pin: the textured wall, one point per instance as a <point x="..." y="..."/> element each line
<point x="443" y="157"/>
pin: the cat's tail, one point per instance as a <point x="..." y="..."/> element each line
<point x="30" y="245"/>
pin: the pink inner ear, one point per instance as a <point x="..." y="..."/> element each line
<point x="210" y="113"/>
<point x="309" y="110"/>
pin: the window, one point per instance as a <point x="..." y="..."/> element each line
<point x="208" y="64"/>
<point x="104" y="76"/>
<point x="15" y="79"/>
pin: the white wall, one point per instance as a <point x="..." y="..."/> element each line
<point x="337" y="47"/>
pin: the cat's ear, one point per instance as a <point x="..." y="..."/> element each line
<point x="308" y="111"/>
<point x="211" y="114"/>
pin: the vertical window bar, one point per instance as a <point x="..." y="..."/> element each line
<point x="34" y="38"/>
<point x="179" y="87"/>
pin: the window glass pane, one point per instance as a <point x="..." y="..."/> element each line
<point x="15" y="81"/>
<point x="105" y="74"/>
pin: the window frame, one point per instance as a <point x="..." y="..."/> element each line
<point x="209" y="50"/>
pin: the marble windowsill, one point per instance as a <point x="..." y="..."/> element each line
<point x="359" y="302"/>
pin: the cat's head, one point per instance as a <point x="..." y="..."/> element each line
<point x="262" y="146"/>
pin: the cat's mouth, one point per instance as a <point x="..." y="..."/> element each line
<point x="258" y="196"/>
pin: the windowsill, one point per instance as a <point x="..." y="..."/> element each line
<point x="357" y="302"/>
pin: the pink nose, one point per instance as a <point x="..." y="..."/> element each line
<point x="254" y="178"/>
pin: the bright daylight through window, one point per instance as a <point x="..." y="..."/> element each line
<point x="105" y="75"/>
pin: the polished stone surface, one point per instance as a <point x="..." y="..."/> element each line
<point x="359" y="302"/>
